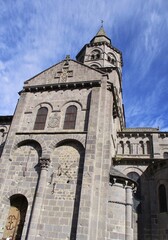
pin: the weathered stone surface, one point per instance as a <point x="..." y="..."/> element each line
<point x="79" y="183"/>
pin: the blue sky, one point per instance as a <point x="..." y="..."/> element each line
<point x="35" y="34"/>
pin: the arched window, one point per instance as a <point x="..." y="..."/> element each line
<point x="70" y="117"/>
<point x="111" y="58"/>
<point x="162" y="199"/>
<point x="95" y="66"/>
<point x="121" y="147"/>
<point x="148" y="147"/>
<point x="141" y="147"/>
<point x="127" y="148"/>
<point x="165" y="155"/>
<point x="41" y="118"/>
<point x="16" y="217"/>
<point x="95" y="55"/>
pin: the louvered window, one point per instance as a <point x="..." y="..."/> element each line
<point x="70" y="117"/>
<point x="41" y="118"/>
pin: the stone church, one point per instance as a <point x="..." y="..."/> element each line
<point x="70" y="169"/>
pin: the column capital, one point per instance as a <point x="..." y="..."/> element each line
<point x="44" y="162"/>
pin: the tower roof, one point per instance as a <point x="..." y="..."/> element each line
<point x="114" y="173"/>
<point x="101" y="36"/>
<point x="101" y="32"/>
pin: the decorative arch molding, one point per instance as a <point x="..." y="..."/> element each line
<point x="96" y="64"/>
<point x="97" y="48"/>
<point x="133" y="169"/>
<point x="61" y="139"/>
<point x="112" y="54"/>
<point x="3" y="128"/>
<point x="161" y="181"/>
<point x="23" y="139"/>
<point x="164" y="152"/>
<point x="111" y="58"/>
<point x="164" y="149"/>
<point x="69" y="103"/>
<point x="156" y="167"/>
<point x="14" y="191"/>
<point x="95" y="51"/>
<point x="64" y="108"/>
<point x="44" y="104"/>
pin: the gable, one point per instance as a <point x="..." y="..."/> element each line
<point x="65" y="71"/>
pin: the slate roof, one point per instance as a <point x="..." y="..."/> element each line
<point x="116" y="173"/>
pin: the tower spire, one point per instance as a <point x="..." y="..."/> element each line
<point x="100" y="53"/>
<point x="101" y="35"/>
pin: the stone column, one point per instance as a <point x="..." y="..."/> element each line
<point x="36" y="208"/>
<point x="128" y="213"/>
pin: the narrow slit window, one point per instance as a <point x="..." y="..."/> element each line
<point x="162" y="199"/>
<point x="41" y="118"/>
<point x="141" y="147"/>
<point x="70" y="117"/>
<point x="148" y="147"/>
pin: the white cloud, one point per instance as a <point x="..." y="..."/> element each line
<point x="37" y="34"/>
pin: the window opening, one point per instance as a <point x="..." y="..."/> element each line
<point x="70" y="117"/>
<point x="165" y="155"/>
<point x="128" y="148"/>
<point x="16" y="217"/>
<point x="41" y="118"/>
<point x="95" y="55"/>
<point x="141" y="149"/>
<point x="148" y="147"/>
<point x="121" y="147"/>
<point x="162" y="199"/>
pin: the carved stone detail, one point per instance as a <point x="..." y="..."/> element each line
<point x="54" y="120"/>
<point x="44" y="162"/>
<point x="63" y="74"/>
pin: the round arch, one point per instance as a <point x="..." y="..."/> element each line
<point x="133" y="169"/>
<point x="62" y="139"/>
<point x="15" y="191"/>
<point x="17" y="211"/>
<point x="68" y="103"/>
<point x="39" y="142"/>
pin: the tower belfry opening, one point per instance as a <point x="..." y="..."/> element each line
<point x="100" y="53"/>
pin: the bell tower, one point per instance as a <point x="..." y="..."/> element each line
<point x="100" y="53"/>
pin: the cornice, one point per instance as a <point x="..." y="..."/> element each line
<point x="59" y="86"/>
<point x="133" y="161"/>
